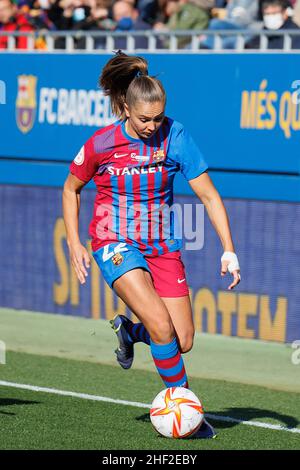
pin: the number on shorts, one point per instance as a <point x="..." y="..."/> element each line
<point x="109" y="254"/>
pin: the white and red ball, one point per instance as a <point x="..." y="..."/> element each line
<point x="176" y="412"/>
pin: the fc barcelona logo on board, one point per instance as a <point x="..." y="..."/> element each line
<point x="26" y="102"/>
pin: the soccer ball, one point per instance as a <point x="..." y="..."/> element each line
<point x="176" y="412"/>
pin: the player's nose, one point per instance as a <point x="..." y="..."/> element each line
<point x="151" y="126"/>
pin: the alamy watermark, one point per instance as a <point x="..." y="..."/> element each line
<point x="295" y="358"/>
<point x="150" y="222"/>
<point x="2" y="352"/>
<point x="2" y="92"/>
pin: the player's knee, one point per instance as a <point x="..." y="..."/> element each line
<point x="186" y="343"/>
<point x="162" y="332"/>
<point x="187" y="346"/>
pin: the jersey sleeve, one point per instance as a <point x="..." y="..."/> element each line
<point x="85" y="164"/>
<point x="190" y="159"/>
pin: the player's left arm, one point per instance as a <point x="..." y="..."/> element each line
<point x="208" y="194"/>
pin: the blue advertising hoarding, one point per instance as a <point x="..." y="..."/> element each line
<point x="243" y="110"/>
<point x="35" y="272"/>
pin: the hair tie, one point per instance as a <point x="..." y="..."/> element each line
<point x="119" y="52"/>
<point x="141" y="74"/>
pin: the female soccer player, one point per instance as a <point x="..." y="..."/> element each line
<point x="133" y="163"/>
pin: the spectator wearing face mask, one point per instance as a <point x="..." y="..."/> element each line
<point x="66" y="14"/>
<point x="127" y="18"/>
<point x="276" y="18"/>
<point x="81" y="15"/>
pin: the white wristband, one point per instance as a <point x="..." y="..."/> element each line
<point x="233" y="260"/>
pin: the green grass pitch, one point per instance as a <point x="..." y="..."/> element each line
<point x="37" y="420"/>
<point x="243" y="380"/>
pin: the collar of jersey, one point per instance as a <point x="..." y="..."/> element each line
<point x="132" y="139"/>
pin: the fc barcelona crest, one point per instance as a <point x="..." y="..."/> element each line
<point x="26" y="102"/>
<point x="159" y="156"/>
<point x="117" y="259"/>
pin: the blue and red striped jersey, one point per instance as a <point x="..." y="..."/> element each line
<point x="134" y="180"/>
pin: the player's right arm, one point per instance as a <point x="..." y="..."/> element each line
<point x="82" y="170"/>
<point x="71" y="203"/>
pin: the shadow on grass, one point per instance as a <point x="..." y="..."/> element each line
<point x="243" y="414"/>
<point x="14" y="401"/>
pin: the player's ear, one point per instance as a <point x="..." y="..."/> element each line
<point x="126" y="109"/>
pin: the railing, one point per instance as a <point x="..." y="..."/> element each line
<point x="157" y="41"/>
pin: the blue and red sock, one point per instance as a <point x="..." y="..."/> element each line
<point x="169" y="364"/>
<point x="167" y="357"/>
<point x="137" y="333"/>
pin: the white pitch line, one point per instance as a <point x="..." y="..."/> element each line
<point x="258" y="424"/>
<point x="66" y="393"/>
<point x="86" y="396"/>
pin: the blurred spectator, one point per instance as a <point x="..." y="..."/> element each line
<point x="127" y="18"/>
<point x="12" y="20"/>
<point x="290" y="8"/>
<point x="36" y="12"/>
<point x="296" y="17"/>
<point x="65" y="14"/>
<point x="276" y="18"/>
<point x="83" y="15"/>
<point x="237" y="12"/>
<point x="148" y="10"/>
<point x="237" y="15"/>
<point x="185" y="15"/>
<point x="144" y="15"/>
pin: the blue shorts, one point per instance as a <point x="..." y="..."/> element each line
<point x="115" y="259"/>
<point x="167" y="270"/>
